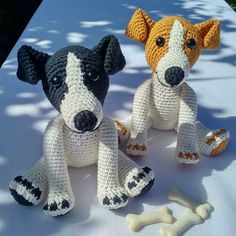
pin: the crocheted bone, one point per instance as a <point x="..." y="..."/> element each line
<point x="166" y="101"/>
<point x="202" y="209"/>
<point x="181" y="225"/>
<point x="75" y="80"/>
<point x="135" y="222"/>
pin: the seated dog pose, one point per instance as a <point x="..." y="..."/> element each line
<point x="75" y="80"/>
<point x="166" y="101"/>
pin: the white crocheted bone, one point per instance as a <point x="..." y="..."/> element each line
<point x="135" y="222"/>
<point x="181" y="225"/>
<point x="203" y="210"/>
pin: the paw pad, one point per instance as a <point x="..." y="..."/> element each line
<point x="139" y="181"/>
<point x="24" y="191"/>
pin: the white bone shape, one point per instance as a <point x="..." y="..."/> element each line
<point x="181" y="225"/>
<point x="135" y="222"/>
<point x="203" y="210"/>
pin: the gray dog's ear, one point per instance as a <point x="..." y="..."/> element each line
<point x="109" y="49"/>
<point x="31" y="64"/>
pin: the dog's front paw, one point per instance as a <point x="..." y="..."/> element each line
<point x="25" y="192"/>
<point x="59" y="204"/>
<point x="139" y="181"/>
<point x="135" y="148"/>
<point x="187" y="157"/>
<point x="123" y="132"/>
<point x="113" y="198"/>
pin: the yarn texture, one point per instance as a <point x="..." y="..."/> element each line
<point x="166" y="101"/>
<point x="75" y="80"/>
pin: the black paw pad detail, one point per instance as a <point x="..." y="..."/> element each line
<point x="139" y="177"/>
<point x="132" y="185"/>
<point x="124" y="197"/>
<point x="147" y="188"/>
<point x="147" y="169"/>
<point x="36" y="192"/>
<point x="65" y="204"/>
<point x="20" y="199"/>
<point x="106" y="201"/>
<point x="55" y="206"/>
<point x="117" y="200"/>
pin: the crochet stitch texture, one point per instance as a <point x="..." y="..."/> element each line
<point x="75" y="80"/>
<point x="166" y="101"/>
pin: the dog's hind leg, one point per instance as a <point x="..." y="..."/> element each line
<point x="135" y="179"/>
<point x="211" y="142"/>
<point x="30" y="188"/>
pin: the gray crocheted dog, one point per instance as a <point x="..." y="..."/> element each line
<point x="75" y="80"/>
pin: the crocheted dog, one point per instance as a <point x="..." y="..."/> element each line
<point x="75" y="80"/>
<point x="165" y="101"/>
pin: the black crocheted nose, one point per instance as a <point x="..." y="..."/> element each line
<point x="85" y="121"/>
<point x="174" y="75"/>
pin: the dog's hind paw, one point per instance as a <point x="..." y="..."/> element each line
<point x="25" y="192"/>
<point x="139" y="181"/>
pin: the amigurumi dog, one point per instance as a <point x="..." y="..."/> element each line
<point x="166" y="101"/>
<point x="75" y="80"/>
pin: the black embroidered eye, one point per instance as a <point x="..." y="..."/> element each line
<point x="191" y="43"/>
<point x="160" y="42"/>
<point x="57" y="80"/>
<point x="95" y="78"/>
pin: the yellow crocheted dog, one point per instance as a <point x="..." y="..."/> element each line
<point x="165" y="101"/>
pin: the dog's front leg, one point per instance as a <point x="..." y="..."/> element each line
<point x="137" y="143"/>
<point x="60" y="197"/>
<point x="109" y="191"/>
<point x="186" y="152"/>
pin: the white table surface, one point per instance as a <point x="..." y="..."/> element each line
<point x="24" y="113"/>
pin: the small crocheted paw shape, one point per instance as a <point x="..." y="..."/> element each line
<point x="59" y="203"/>
<point x="139" y="181"/>
<point x="187" y="157"/>
<point x="26" y="192"/>
<point x="215" y="142"/>
<point x="136" y="147"/>
<point x="112" y="198"/>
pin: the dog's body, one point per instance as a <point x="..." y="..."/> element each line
<point x="75" y="80"/>
<point x="166" y="101"/>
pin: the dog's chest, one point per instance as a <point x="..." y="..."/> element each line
<point x="81" y="149"/>
<point x="164" y="107"/>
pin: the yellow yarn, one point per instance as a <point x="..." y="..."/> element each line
<point x="146" y="31"/>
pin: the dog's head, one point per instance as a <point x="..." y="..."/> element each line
<point x="172" y="44"/>
<point x="75" y="79"/>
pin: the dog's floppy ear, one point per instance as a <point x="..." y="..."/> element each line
<point x="210" y="33"/>
<point x="139" y="26"/>
<point x="109" y="49"/>
<point x="31" y="64"/>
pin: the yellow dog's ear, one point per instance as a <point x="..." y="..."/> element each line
<point x="210" y="33"/>
<point x="139" y="26"/>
